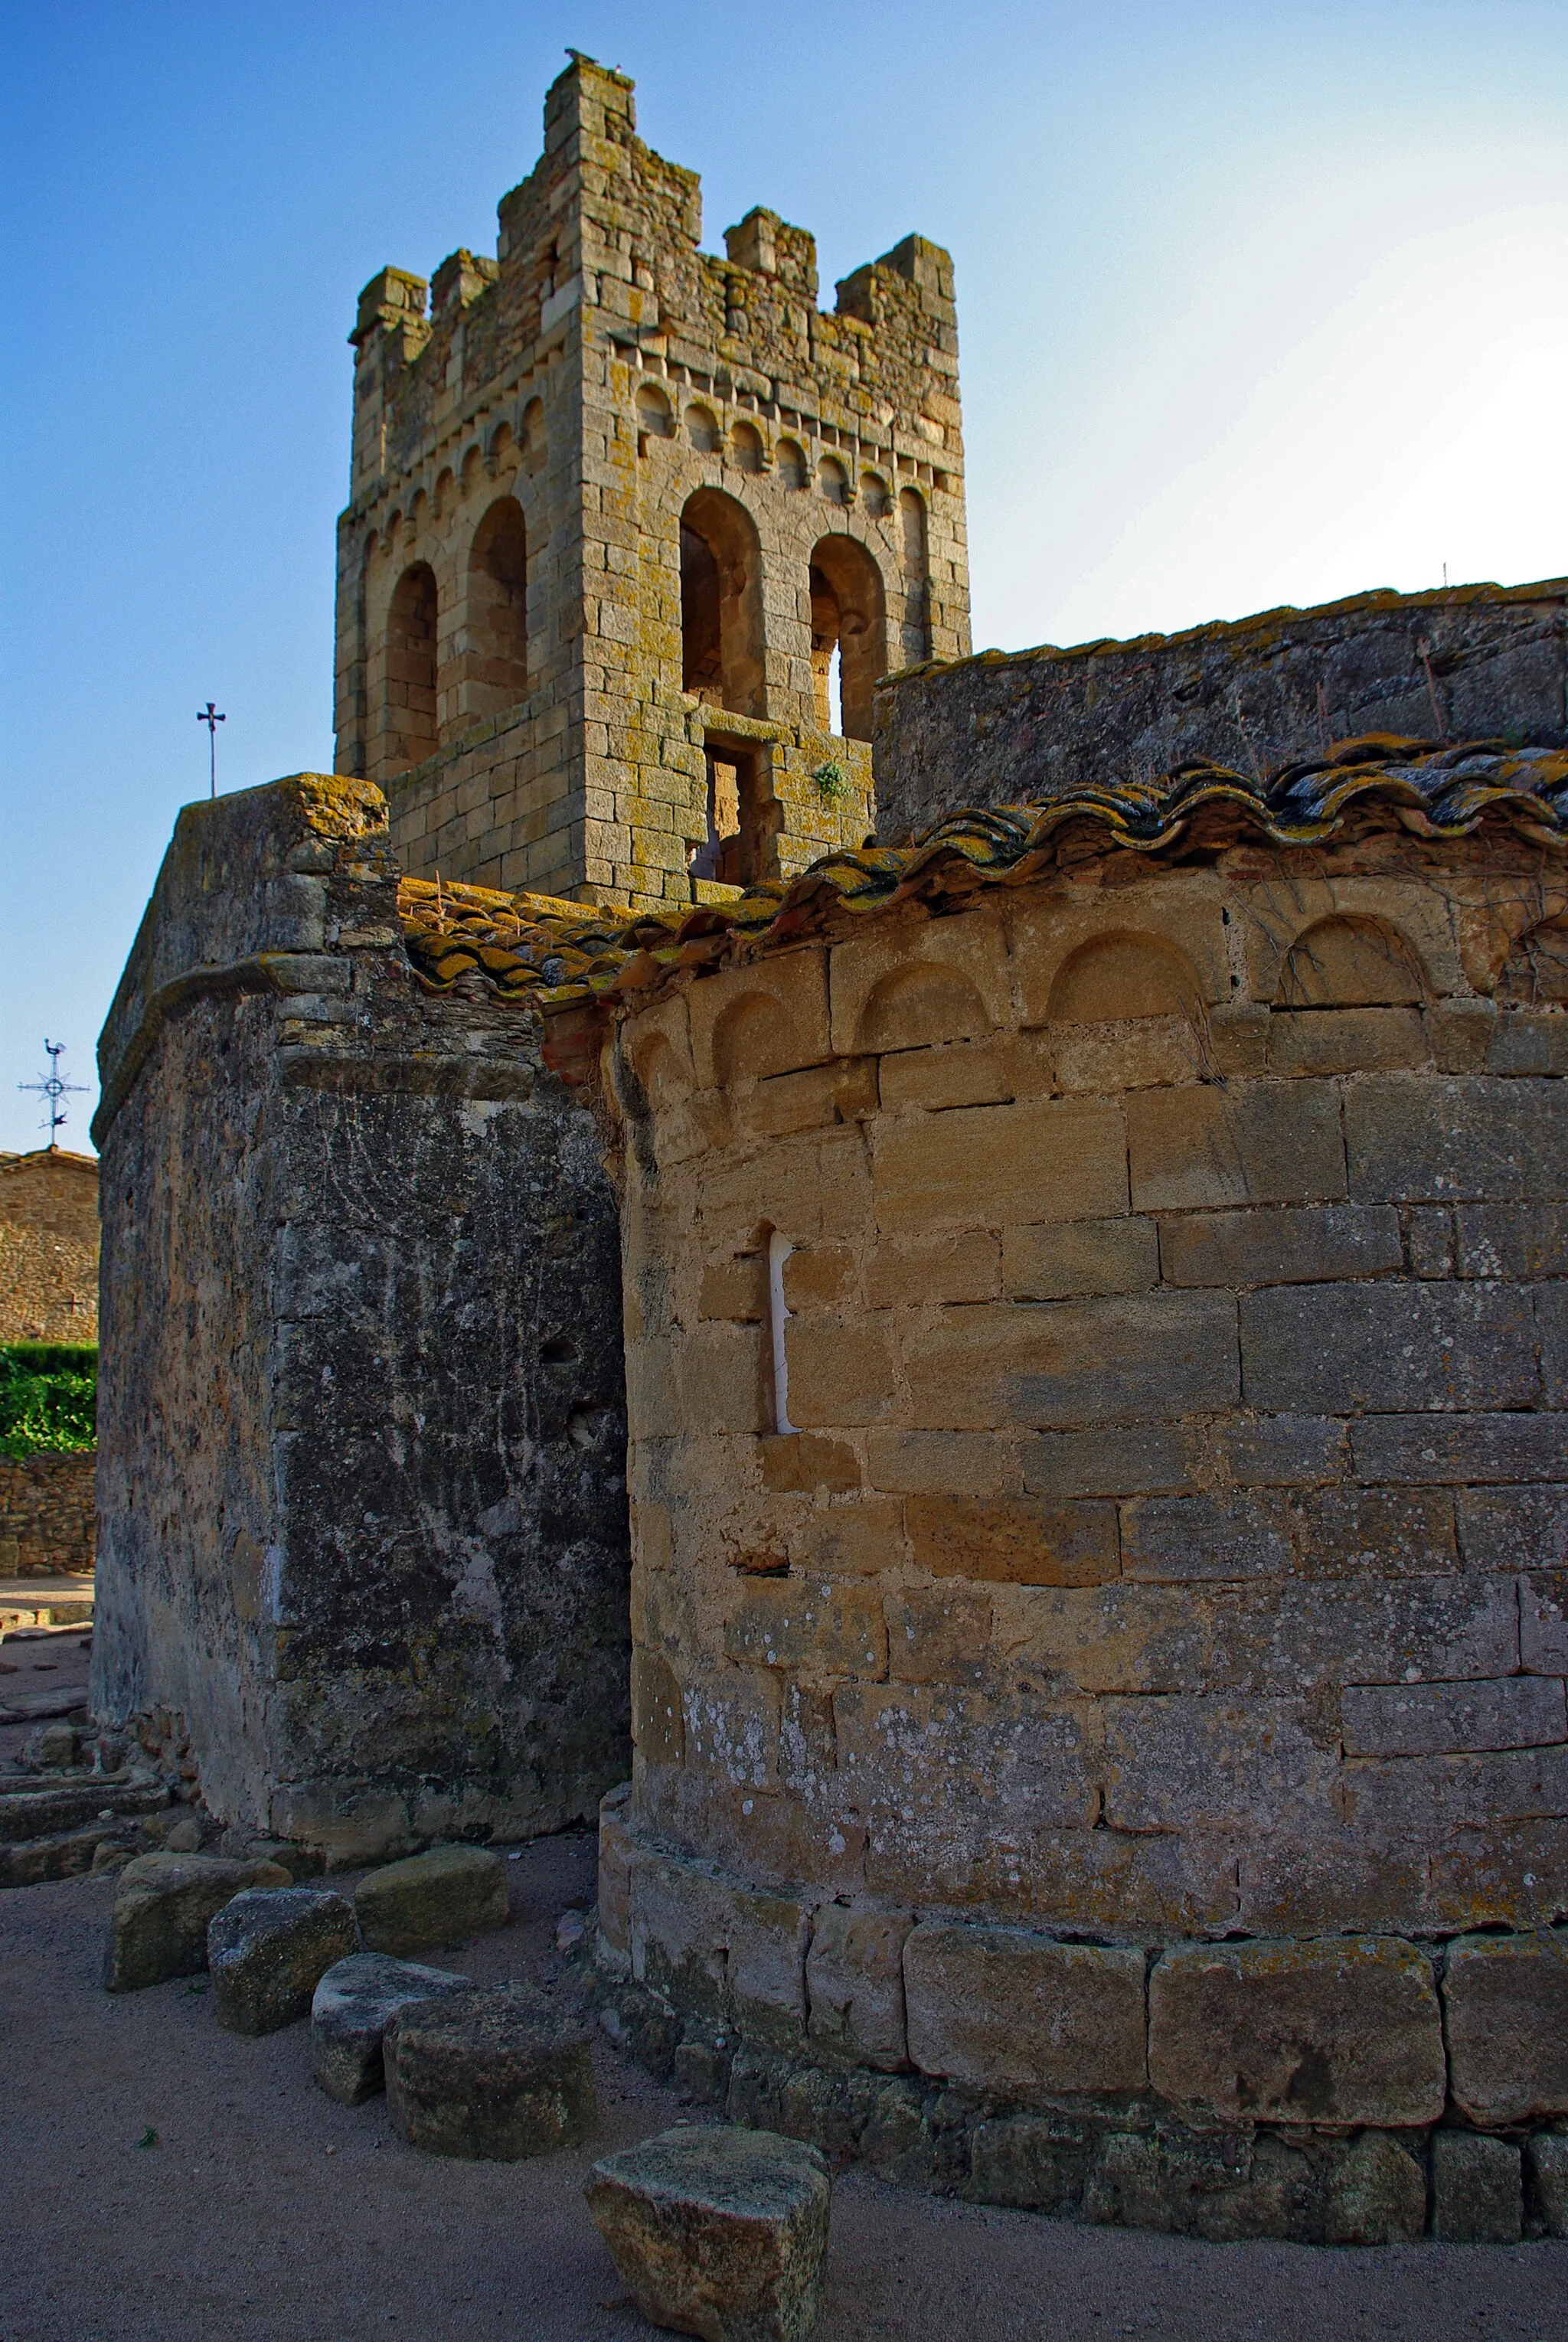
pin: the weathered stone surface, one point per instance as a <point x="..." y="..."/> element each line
<point x="1414" y="1139"/>
<point x="1546" y="2163"/>
<point x="1338" y="1349"/>
<point x="163" y="1907"/>
<point x="1376" y="2195"/>
<point x="353" y="2005"/>
<point x="439" y="1897"/>
<point x="1435" y="1719"/>
<point x="1039" y="2162"/>
<point x="357" y="1174"/>
<point x="999" y="2008"/>
<point x="1476" y="2189"/>
<point x="1505" y="2007"/>
<point x="1280" y="1247"/>
<point x="268" y="1949"/>
<point x="1220" y="2186"/>
<point x="488" y="2076"/>
<point x="718" y="2232"/>
<point x="855" y="1983"/>
<point x="1341" y="2030"/>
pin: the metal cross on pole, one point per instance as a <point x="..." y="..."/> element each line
<point x="209" y="717"/>
<point x="54" y="1087"/>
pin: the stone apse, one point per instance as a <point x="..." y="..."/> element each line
<point x="1027" y="1363"/>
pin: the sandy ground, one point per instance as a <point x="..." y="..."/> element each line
<point x="265" y="2210"/>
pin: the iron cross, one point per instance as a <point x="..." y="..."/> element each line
<point x="209" y="717"/>
<point x="54" y="1087"/>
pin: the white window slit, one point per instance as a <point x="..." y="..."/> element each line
<point x="779" y="1251"/>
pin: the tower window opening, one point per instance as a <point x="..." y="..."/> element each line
<point x="497" y="655"/>
<point x="735" y="851"/>
<point x="720" y="604"/>
<point x="411" y="652"/>
<point x="848" y="635"/>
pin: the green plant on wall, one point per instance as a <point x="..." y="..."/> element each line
<point x="48" y="1397"/>
<point x="832" y="783"/>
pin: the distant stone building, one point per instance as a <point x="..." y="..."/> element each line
<point x="628" y="521"/>
<point x="48" y="1247"/>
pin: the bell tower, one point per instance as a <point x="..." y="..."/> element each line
<point x="633" y="529"/>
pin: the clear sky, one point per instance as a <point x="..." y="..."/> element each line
<point x="1258" y="302"/>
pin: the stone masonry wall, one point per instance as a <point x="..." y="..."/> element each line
<point x="48" y="1247"/>
<point x="1115" y="1664"/>
<point x="1477" y="663"/>
<point x="361" y="1432"/>
<point x="583" y="388"/>
<point x="47" y="1522"/>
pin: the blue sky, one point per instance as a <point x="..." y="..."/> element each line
<point x="1257" y="303"/>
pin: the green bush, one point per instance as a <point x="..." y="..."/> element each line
<point x="48" y="1397"/>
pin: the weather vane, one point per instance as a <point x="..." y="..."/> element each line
<point x="54" y="1087"/>
<point x="209" y="717"/>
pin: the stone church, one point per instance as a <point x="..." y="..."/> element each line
<point x="938" y="1288"/>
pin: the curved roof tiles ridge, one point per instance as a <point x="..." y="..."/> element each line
<point x="552" y="955"/>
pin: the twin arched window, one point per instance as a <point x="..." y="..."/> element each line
<point x="722" y="618"/>
<point x="434" y="686"/>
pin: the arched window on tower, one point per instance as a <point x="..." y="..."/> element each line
<point x="916" y="576"/>
<point x="409" y="727"/>
<point x="495" y="659"/>
<point x="848" y="635"/>
<point x="720" y="604"/>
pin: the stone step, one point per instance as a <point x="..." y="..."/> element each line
<point x="46" y="1811"/>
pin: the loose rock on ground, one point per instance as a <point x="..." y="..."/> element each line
<point x="163" y="1908"/>
<point x="719" y="2233"/>
<point x="443" y="1896"/>
<point x="489" y="2076"/>
<point x="355" y="2003"/>
<point x="269" y="1949"/>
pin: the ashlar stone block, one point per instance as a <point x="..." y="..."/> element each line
<point x="1506" y="2002"/>
<point x="1002" y="2009"/>
<point x="1477" y="2190"/>
<point x="1333" y="2030"/>
<point x="439" y="1897"/>
<point x="855" y="1983"/>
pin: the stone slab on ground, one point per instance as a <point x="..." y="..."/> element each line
<point x="490" y="2076"/>
<point x="1341" y="2029"/>
<point x="1505" y="2001"/>
<point x="719" y="2233"/>
<point x="439" y="1897"/>
<point x="1478" y="2198"/>
<point x="164" y="1905"/>
<point x="269" y="1949"/>
<point x="355" y="2003"/>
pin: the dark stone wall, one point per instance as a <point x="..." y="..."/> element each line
<point x="1476" y="661"/>
<point x="362" y="1424"/>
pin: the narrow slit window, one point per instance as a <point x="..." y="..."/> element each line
<point x="779" y="1251"/>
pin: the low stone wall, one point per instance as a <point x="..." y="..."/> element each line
<point x="48" y="1526"/>
<point x="1344" y="2089"/>
<point x="1473" y="662"/>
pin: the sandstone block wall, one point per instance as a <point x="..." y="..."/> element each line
<point x="361" y="1433"/>
<point x="47" y="1522"/>
<point x="1477" y="663"/>
<point x="574" y="449"/>
<point x="1096" y="1383"/>
<point x="48" y="1247"/>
